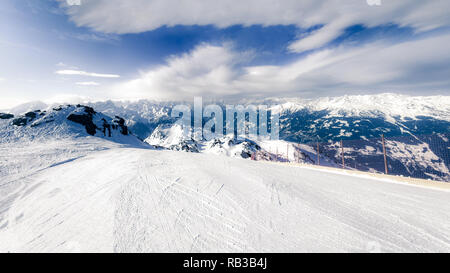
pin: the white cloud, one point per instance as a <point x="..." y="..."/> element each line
<point x="216" y="71"/>
<point x="118" y="16"/>
<point x="84" y="73"/>
<point x="66" y="66"/>
<point x="207" y="67"/>
<point x="321" y="36"/>
<point x="88" y="83"/>
<point x="67" y="98"/>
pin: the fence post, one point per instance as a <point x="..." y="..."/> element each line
<point x="384" y="154"/>
<point x="318" y="154"/>
<point x="342" y="152"/>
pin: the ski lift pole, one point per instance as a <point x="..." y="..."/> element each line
<point x="386" y="171"/>
<point x="318" y="154"/>
<point x="287" y="152"/>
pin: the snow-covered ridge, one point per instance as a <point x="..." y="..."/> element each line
<point x="351" y="105"/>
<point x="387" y="104"/>
<point x="64" y="122"/>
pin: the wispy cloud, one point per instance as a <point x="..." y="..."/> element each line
<point x="88" y="83"/>
<point x="84" y="73"/>
<point x="66" y="66"/>
<point x="335" y="16"/>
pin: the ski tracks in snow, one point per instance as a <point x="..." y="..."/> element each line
<point x="160" y="211"/>
<point x="134" y="200"/>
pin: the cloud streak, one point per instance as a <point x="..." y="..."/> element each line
<point x="88" y="83"/>
<point x="84" y="73"/>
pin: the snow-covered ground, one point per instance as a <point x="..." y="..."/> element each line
<point x="115" y="198"/>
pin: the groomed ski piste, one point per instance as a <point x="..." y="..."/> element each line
<point x="88" y="194"/>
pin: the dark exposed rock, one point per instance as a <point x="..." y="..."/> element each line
<point x="6" y="116"/>
<point x="87" y="109"/>
<point x="86" y="121"/>
<point x="25" y="119"/>
<point x="217" y="142"/>
<point x="31" y="115"/>
<point x="186" y="146"/>
<point x="22" y="121"/>
<point x="245" y="154"/>
<point x="120" y="122"/>
<point x="106" y="126"/>
<point x="124" y="130"/>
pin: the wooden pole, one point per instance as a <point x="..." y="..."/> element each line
<point x="287" y="152"/>
<point x="318" y="154"/>
<point x="295" y="153"/>
<point x="342" y="152"/>
<point x="384" y="154"/>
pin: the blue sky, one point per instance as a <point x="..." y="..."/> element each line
<point x="56" y="51"/>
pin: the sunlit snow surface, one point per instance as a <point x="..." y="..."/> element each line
<point x="91" y="195"/>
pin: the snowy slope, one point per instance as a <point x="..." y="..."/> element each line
<point x="138" y="200"/>
<point x="40" y="139"/>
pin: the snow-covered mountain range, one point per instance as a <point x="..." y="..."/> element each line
<point x="75" y="178"/>
<point x="416" y="131"/>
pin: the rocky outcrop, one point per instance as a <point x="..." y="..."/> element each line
<point x="120" y="123"/>
<point x="27" y="118"/>
<point x="22" y="121"/>
<point x="32" y="115"/>
<point x="6" y="116"/>
<point x="85" y="118"/>
<point x="71" y="121"/>
<point x="185" y="146"/>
